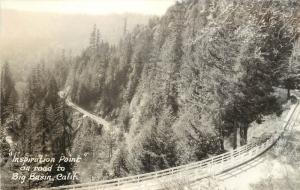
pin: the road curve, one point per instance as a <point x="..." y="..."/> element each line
<point x="64" y="94"/>
<point x="95" y="118"/>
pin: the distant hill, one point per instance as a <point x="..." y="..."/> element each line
<point x="27" y="38"/>
<point x="24" y="35"/>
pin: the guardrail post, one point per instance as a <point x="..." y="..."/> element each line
<point x="257" y="149"/>
<point x="222" y="162"/>
<point x="212" y="166"/>
<point x="254" y="149"/>
<point x="252" y="152"/>
<point x="248" y="151"/>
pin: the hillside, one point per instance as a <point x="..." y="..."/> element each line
<point x="180" y="86"/>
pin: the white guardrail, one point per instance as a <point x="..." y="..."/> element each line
<point x="193" y="171"/>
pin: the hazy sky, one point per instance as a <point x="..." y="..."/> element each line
<point x="157" y="7"/>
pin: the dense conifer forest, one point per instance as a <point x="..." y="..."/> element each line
<point x="174" y="90"/>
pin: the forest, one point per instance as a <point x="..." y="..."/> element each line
<point x="174" y="90"/>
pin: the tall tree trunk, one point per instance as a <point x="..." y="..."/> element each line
<point x="234" y="143"/>
<point x="221" y="135"/>
<point x="243" y="134"/>
<point x="288" y="93"/>
<point x="222" y="143"/>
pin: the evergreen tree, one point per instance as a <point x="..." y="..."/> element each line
<point x="93" y="38"/>
<point x="292" y="77"/>
<point x="98" y="40"/>
<point x="52" y="92"/>
<point x="7" y="92"/>
<point x="35" y="87"/>
<point x="61" y="141"/>
<point x="120" y="163"/>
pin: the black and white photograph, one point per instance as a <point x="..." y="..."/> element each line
<point x="150" y="94"/>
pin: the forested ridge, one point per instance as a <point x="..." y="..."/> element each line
<point x="174" y="89"/>
<point x="182" y="84"/>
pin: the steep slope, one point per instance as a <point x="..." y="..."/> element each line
<point x="177" y="87"/>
